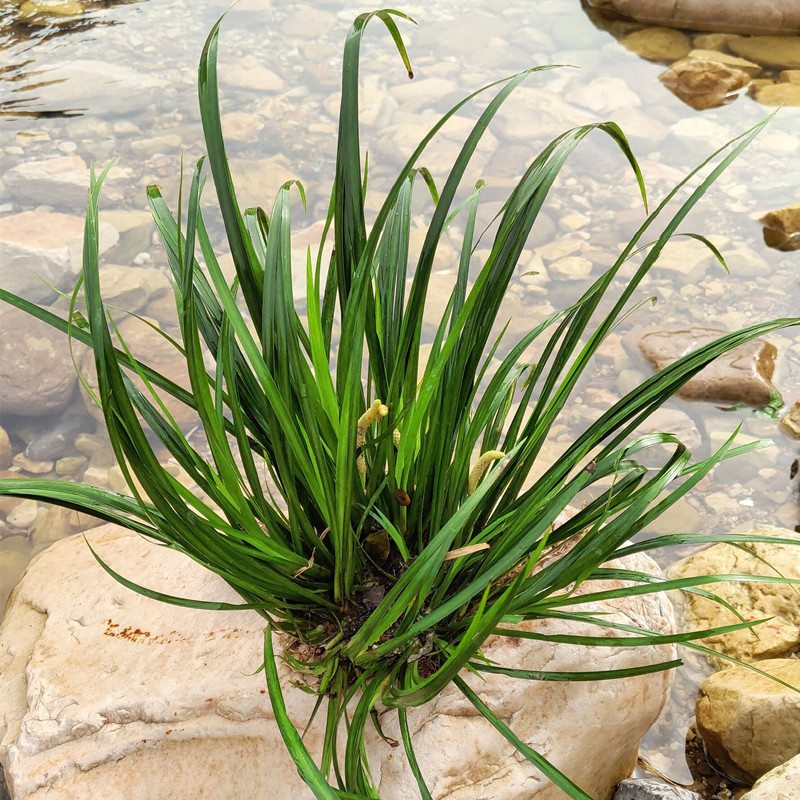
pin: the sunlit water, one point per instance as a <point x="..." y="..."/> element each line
<point x="120" y="83"/>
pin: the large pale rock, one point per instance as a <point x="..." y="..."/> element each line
<point x="780" y="635"/>
<point x="781" y="783"/>
<point x="37" y="376"/>
<point x="108" y="694"/>
<point x="704" y="83"/>
<point x="733" y="16"/>
<point x="462" y="757"/>
<point x="41" y="247"/>
<point x="750" y="723"/>
<point x="742" y="375"/>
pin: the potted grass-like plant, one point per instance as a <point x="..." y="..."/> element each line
<point x="398" y="531"/>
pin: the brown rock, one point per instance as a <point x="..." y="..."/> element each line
<point x="721" y="16"/>
<point x="750" y="724"/>
<point x="770" y="51"/>
<point x="702" y="83"/>
<point x="742" y="375"/>
<point x="742" y="64"/>
<point x="713" y="41"/>
<point x="658" y="44"/>
<point x="776" y="94"/>
<point x="782" y="227"/>
<point x="780" y="635"/>
<point x="791" y="421"/>
<point x="37" y="376"/>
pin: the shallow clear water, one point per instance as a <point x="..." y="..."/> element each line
<point x="120" y="83"/>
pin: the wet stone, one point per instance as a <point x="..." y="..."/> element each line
<point x="753" y="16"/>
<point x="703" y="83"/>
<point x="39" y="13"/>
<point x="742" y="375"/>
<point x="776" y="94"/>
<point x="658" y="44"/>
<point x="791" y="422"/>
<point x="70" y="465"/>
<point x="135" y="229"/>
<point x="131" y="288"/>
<point x="742" y="64"/>
<point x="782" y="227"/>
<point x="773" y="51"/>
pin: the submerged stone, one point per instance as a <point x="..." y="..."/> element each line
<point x="37" y="376"/>
<point x="35" y="12"/>
<point x="777" y="94"/>
<point x="732" y="16"/>
<point x="702" y="83"/>
<point x="771" y="51"/>
<point x="42" y="247"/>
<point x="782" y="227"/>
<point x="658" y="44"/>
<point x="742" y="375"/>
<point x="791" y="421"/>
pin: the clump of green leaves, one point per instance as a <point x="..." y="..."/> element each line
<point x="398" y="531"/>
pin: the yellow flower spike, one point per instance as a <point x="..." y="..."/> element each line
<point x="476" y="473"/>
<point x="396" y="437"/>
<point x="373" y="413"/>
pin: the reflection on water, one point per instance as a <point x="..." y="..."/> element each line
<point x="26" y="27"/>
<point x="131" y="89"/>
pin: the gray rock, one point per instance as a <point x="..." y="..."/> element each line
<point x="58" y="439"/>
<point x="646" y="789"/>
